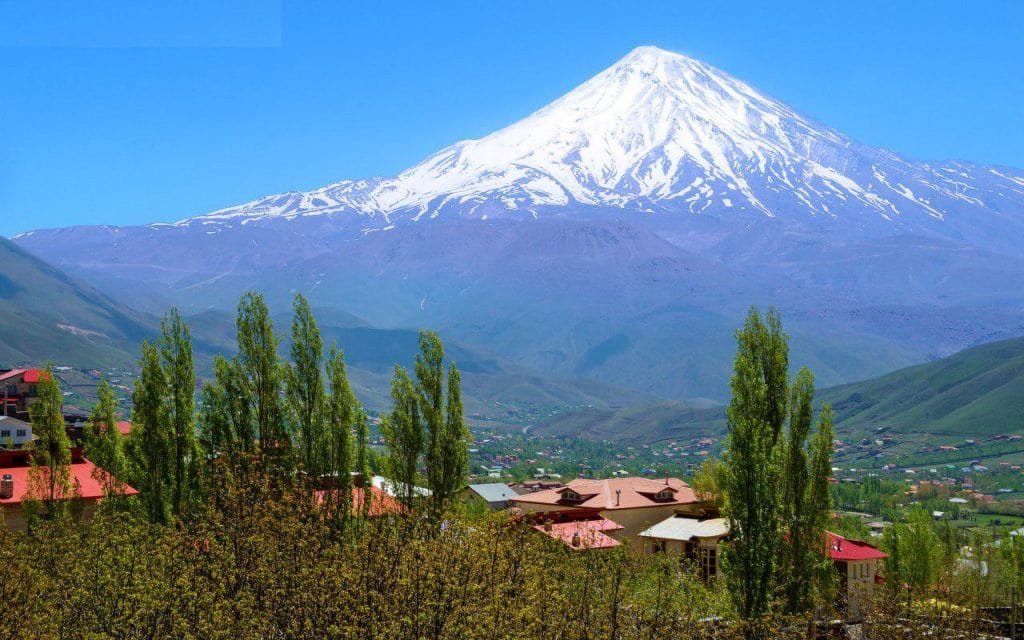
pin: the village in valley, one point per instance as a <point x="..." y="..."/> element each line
<point x="591" y="496"/>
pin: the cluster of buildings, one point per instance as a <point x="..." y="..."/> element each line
<point x="90" y="484"/>
<point x="658" y="516"/>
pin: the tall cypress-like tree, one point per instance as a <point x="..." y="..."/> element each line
<point x="104" y="444"/>
<point x="305" y="388"/>
<point x="343" y="411"/>
<point x="819" y="502"/>
<point x="797" y="563"/>
<point x="753" y="464"/>
<point x="363" y="459"/>
<point x="430" y="394"/>
<point x="776" y="491"/>
<point x="152" y="442"/>
<point x="50" y="475"/>
<point x="261" y="374"/>
<point x="404" y="435"/>
<point x="179" y="371"/>
<point x="452" y="446"/>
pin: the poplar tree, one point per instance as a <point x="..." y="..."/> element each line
<point x="796" y="558"/>
<point x="363" y="459"/>
<point x="50" y="474"/>
<point x="342" y="411"/>
<point x="452" y="456"/>
<point x="753" y="464"/>
<point x="152" y="442"/>
<point x="104" y="444"/>
<point x="430" y="395"/>
<point x="179" y="371"/>
<point x="775" y="486"/>
<point x="305" y="388"/>
<point x="403" y="433"/>
<point x="261" y="374"/>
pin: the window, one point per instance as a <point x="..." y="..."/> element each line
<point x="21" y="433"/>
<point x="6" y="433"/>
<point x="664" y="494"/>
<point x="570" y="495"/>
<point x="659" y="546"/>
<point x="12" y="390"/>
<point x="708" y="563"/>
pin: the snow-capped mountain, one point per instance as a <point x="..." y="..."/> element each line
<point x="619" y="233"/>
<point x="658" y="132"/>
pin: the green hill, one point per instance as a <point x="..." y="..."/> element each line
<point x="45" y="315"/>
<point x="976" y="392"/>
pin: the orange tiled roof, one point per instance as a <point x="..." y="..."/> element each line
<point x="632" y="493"/>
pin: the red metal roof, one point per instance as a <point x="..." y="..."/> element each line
<point x="89" y="478"/>
<point x="840" y="548"/>
<point x="31" y="376"/>
<point x="124" y="427"/>
<point x="615" y="493"/>
<point x="582" y="534"/>
<point x="13" y="373"/>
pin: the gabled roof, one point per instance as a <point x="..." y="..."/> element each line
<point x="840" y="548"/>
<point x="31" y="376"/>
<point x="579" y="535"/>
<point x="13" y="423"/>
<point x="493" y="491"/>
<point x="89" y="479"/>
<point x="685" y="529"/>
<point x="615" y="493"/>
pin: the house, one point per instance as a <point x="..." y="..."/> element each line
<point x="496" y="495"/>
<point x="585" y="530"/>
<point x="91" y="484"/>
<point x="693" y="538"/>
<point x="15" y="434"/>
<point x="18" y="390"/>
<point x="635" y="503"/>
<point x="857" y="563"/>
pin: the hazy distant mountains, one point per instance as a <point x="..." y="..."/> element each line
<point x="619" y="234"/>
<point x="975" y="393"/>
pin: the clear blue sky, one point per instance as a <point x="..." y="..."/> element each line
<point x="131" y="111"/>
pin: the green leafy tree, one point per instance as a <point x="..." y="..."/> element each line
<point x="343" y="413"/>
<point x="50" y="483"/>
<point x="404" y="435"/>
<point x="104" y="444"/>
<point x="152" y="444"/>
<point x="305" y="389"/>
<point x="363" y="458"/>
<point x="914" y="550"/>
<point x="753" y="463"/>
<point x="452" y="454"/>
<point x="179" y="372"/>
<point x="261" y="375"/>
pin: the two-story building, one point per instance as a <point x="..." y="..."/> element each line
<point x="632" y="504"/>
<point x="18" y="390"/>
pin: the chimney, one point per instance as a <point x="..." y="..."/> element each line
<point x="618" y="492"/>
<point x="7" y="487"/>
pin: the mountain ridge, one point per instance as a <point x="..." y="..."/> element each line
<point x="639" y="278"/>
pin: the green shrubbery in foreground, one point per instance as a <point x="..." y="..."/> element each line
<point x="265" y="564"/>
